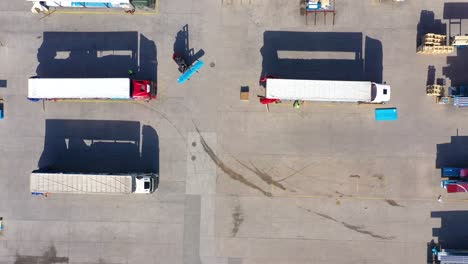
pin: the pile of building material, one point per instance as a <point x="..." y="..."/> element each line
<point x="435" y="44"/>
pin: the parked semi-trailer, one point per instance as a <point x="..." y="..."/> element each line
<point x="90" y="89"/>
<point x="327" y="91"/>
<point x="74" y="183"/>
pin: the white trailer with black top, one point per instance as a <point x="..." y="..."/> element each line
<point x="92" y="183"/>
<point x="327" y="91"/>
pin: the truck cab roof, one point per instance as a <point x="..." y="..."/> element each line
<point x="143" y="89"/>
<point x="380" y="93"/>
<point x="146" y="183"/>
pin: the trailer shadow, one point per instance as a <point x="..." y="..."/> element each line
<point x="453" y="229"/>
<point x="321" y="55"/>
<point x="455" y="13"/>
<point x="182" y="46"/>
<point x="456" y="68"/>
<point x="431" y="75"/>
<point x="428" y="24"/>
<point x="99" y="146"/>
<point x="96" y="55"/>
<point x="453" y="154"/>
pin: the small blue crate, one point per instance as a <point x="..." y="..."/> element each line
<point x="386" y="114"/>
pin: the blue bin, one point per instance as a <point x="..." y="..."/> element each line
<point x="1" y="114"/>
<point x="450" y="172"/>
<point x="386" y="114"/>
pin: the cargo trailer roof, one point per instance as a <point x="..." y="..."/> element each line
<point x="80" y="183"/>
<point x="317" y="90"/>
<point x="94" y="88"/>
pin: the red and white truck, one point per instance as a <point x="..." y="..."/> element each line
<point x="91" y="89"/>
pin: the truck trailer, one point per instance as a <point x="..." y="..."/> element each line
<point x="90" y="89"/>
<point x="43" y="6"/>
<point x="327" y="91"/>
<point x="77" y="183"/>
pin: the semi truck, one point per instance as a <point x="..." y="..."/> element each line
<point x="90" y="89"/>
<point x="42" y="6"/>
<point x="80" y="183"/>
<point x="327" y="91"/>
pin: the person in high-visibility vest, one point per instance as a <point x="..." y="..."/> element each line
<point x="297" y="104"/>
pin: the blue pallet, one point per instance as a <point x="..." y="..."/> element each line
<point x="386" y="114"/>
<point x="191" y="71"/>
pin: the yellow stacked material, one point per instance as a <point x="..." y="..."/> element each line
<point x="244" y="96"/>
<point x="431" y="39"/>
<point x="423" y="49"/>
<point x="435" y="90"/>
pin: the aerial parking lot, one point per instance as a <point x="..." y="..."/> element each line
<point x="240" y="182"/>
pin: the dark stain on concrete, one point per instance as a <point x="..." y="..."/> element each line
<point x="326" y="216"/>
<point x="355" y="176"/>
<point x="231" y="173"/>
<point x="379" y="176"/>
<point x="342" y="194"/>
<point x="237" y="220"/>
<point x="359" y="229"/>
<point x="393" y="203"/>
<point x="263" y="175"/>
<point x="49" y="257"/>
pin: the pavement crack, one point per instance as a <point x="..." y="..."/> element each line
<point x="263" y="175"/>
<point x="230" y="172"/>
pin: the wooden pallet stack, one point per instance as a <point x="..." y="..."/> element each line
<point x="435" y="90"/>
<point x="435" y="44"/>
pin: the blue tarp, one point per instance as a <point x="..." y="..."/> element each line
<point x="191" y="71"/>
<point x="386" y="114"/>
<point x="91" y="4"/>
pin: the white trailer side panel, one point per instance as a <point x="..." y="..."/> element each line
<point x="80" y="183"/>
<point x="90" y="3"/>
<point x="94" y="88"/>
<point x="314" y="90"/>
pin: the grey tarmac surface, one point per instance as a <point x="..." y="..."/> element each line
<point x="238" y="185"/>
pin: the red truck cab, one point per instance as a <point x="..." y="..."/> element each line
<point x="143" y="90"/>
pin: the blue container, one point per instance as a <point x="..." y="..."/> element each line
<point x="386" y="114"/>
<point x="450" y="172"/>
<point x="1" y="114"/>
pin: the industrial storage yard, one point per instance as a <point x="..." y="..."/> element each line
<point x="240" y="182"/>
